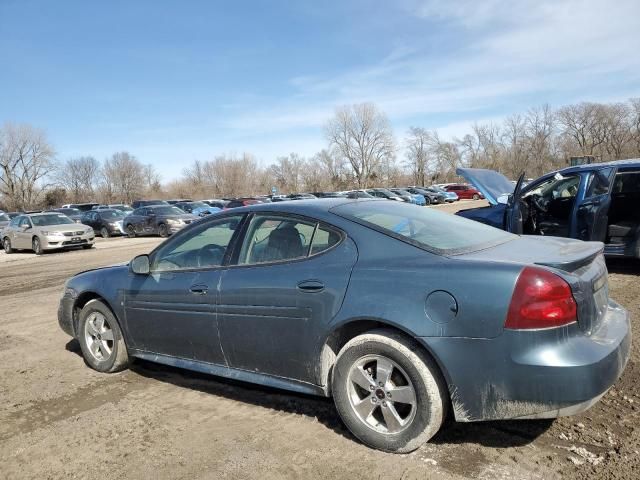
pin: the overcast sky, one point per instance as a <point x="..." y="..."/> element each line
<point x="174" y="81"/>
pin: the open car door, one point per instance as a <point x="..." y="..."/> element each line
<point x="593" y="210"/>
<point x="513" y="221"/>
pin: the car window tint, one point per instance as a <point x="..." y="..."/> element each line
<point x="275" y="238"/>
<point x="323" y="239"/>
<point x="425" y="227"/>
<point x="202" y="247"/>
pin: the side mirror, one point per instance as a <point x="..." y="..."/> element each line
<point x="140" y="265"/>
<point x="24" y="228"/>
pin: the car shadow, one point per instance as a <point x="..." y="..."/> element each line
<point x="498" y="434"/>
<point x="623" y="265"/>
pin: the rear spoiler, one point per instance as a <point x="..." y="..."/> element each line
<point x="581" y="256"/>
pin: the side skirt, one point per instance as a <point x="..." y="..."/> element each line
<point x="233" y="373"/>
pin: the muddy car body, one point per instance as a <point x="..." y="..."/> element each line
<point x="163" y="220"/>
<point x="296" y="295"/>
<point x="595" y="202"/>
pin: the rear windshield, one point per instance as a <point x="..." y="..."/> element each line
<point x="52" y="219"/>
<point x="426" y="228"/>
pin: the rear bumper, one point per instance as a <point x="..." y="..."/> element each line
<point x="536" y="374"/>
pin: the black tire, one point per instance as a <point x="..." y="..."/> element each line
<point x="163" y="230"/>
<point x="87" y="247"/>
<point x="6" y="243"/>
<point x="425" y="379"/>
<point x="118" y="358"/>
<point x="476" y="196"/>
<point x="131" y="232"/>
<point x="104" y="232"/>
<point x="36" y="246"/>
<point x="427" y="201"/>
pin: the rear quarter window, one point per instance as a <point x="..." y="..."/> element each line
<point x="425" y="228"/>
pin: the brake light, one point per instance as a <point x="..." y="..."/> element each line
<point x="540" y="299"/>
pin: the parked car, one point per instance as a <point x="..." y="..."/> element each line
<point x="430" y="196"/>
<point x="449" y="197"/>
<point x="216" y="202"/>
<point x="146" y="203"/>
<point x="411" y="197"/>
<point x="301" y="196"/>
<point x="464" y="192"/>
<point x="384" y="193"/>
<point x="199" y="209"/>
<point x="242" y="202"/>
<point x="328" y="194"/>
<point x="105" y="222"/>
<point x="73" y="213"/>
<point x="597" y="201"/>
<point x="122" y="207"/>
<point x="359" y="194"/>
<point x="45" y="231"/>
<point x="496" y="325"/>
<point x="163" y="220"/>
<point x="83" y="207"/>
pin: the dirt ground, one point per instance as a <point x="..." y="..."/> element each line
<point x="60" y="419"/>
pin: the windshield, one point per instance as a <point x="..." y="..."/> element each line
<point x="198" y="205"/>
<point x="427" y="228"/>
<point x="4" y="218"/>
<point x="70" y="211"/>
<point x="111" y="214"/>
<point x="167" y="211"/>
<point x="52" y="219"/>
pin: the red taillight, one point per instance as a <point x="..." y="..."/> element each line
<point x="541" y="299"/>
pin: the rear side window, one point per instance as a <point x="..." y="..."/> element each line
<point x="426" y="228"/>
<point x="274" y="238"/>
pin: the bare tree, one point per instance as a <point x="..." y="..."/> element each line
<point x="362" y="135"/>
<point x="78" y="176"/>
<point x="26" y="159"/>
<point x="417" y="154"/>
<point x="287" y="172"/>
<point x="122" y="178"/>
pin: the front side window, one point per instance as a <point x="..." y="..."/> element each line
<point x="202" y="247"/>
<point x="273" y="238"/>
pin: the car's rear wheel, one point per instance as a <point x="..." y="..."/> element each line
<point x="131" y="232"/>
<point x="36" y="246"/>
<point x="427" y="201"/>
<point x="476" y="196"/>
<point x="104" y="232"/>
<point x="387" y="392"/>
<point x="100" y="338"/>
<point x="163" y="231"/>
<point x="6" y="244"/>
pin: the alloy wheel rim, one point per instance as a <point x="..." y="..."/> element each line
<point x="99" y="336"/>
<point x="36" y="245"/>
<point x="381" y="394"/>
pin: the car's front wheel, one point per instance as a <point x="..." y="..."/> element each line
<point x="104" y="232"/>
<point x="101" y="340"/>
<point x="6" y="244"/>
<point x="36" y="246"/>
<point x="131" y="232"/>
<point x="387" y="392"/>
<point x="476" y="196"/>
<point x="427" y="201"/>
<point x="163" y="230"/>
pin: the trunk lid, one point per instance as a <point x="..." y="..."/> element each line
<point x="492" y="184"/>
<point x="581" y="264"/>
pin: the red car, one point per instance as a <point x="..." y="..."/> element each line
<point x="464" y="191"/>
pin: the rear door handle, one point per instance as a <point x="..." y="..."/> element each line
<point x="311" y="286"/>
<point x="199" y="289"/>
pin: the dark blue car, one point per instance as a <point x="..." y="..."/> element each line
<point x="595" y="202"/>
<point x="400" y="313"/>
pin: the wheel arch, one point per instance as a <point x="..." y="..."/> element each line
<point x="82" y="300"/>
<point x="344" y="332"/>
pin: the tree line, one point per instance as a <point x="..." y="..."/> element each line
<point x="361" y="151"/>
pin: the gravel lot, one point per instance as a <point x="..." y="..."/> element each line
<point x="60" y="419"/>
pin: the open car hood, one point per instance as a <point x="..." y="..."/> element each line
<point x="492" y="184"/>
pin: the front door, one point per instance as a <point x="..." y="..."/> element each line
<point x="172" y="311"/>
<point x="290" y="278"/>
<point x="513" y="213"/>
<point x="23" y="234"/>
<point x="592" y="215"/>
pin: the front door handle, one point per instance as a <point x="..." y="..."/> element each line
<point x="311" y="286"/>
<point x="199" y="289"/>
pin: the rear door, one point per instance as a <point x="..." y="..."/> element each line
<point x="592" y="214"/>
<point x="290" y="278"/>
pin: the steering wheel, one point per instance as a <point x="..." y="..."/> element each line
<point x="210" y="255"/>
<point x="540" y="203"/>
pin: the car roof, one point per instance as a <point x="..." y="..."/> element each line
<point x="632" y="162"/>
